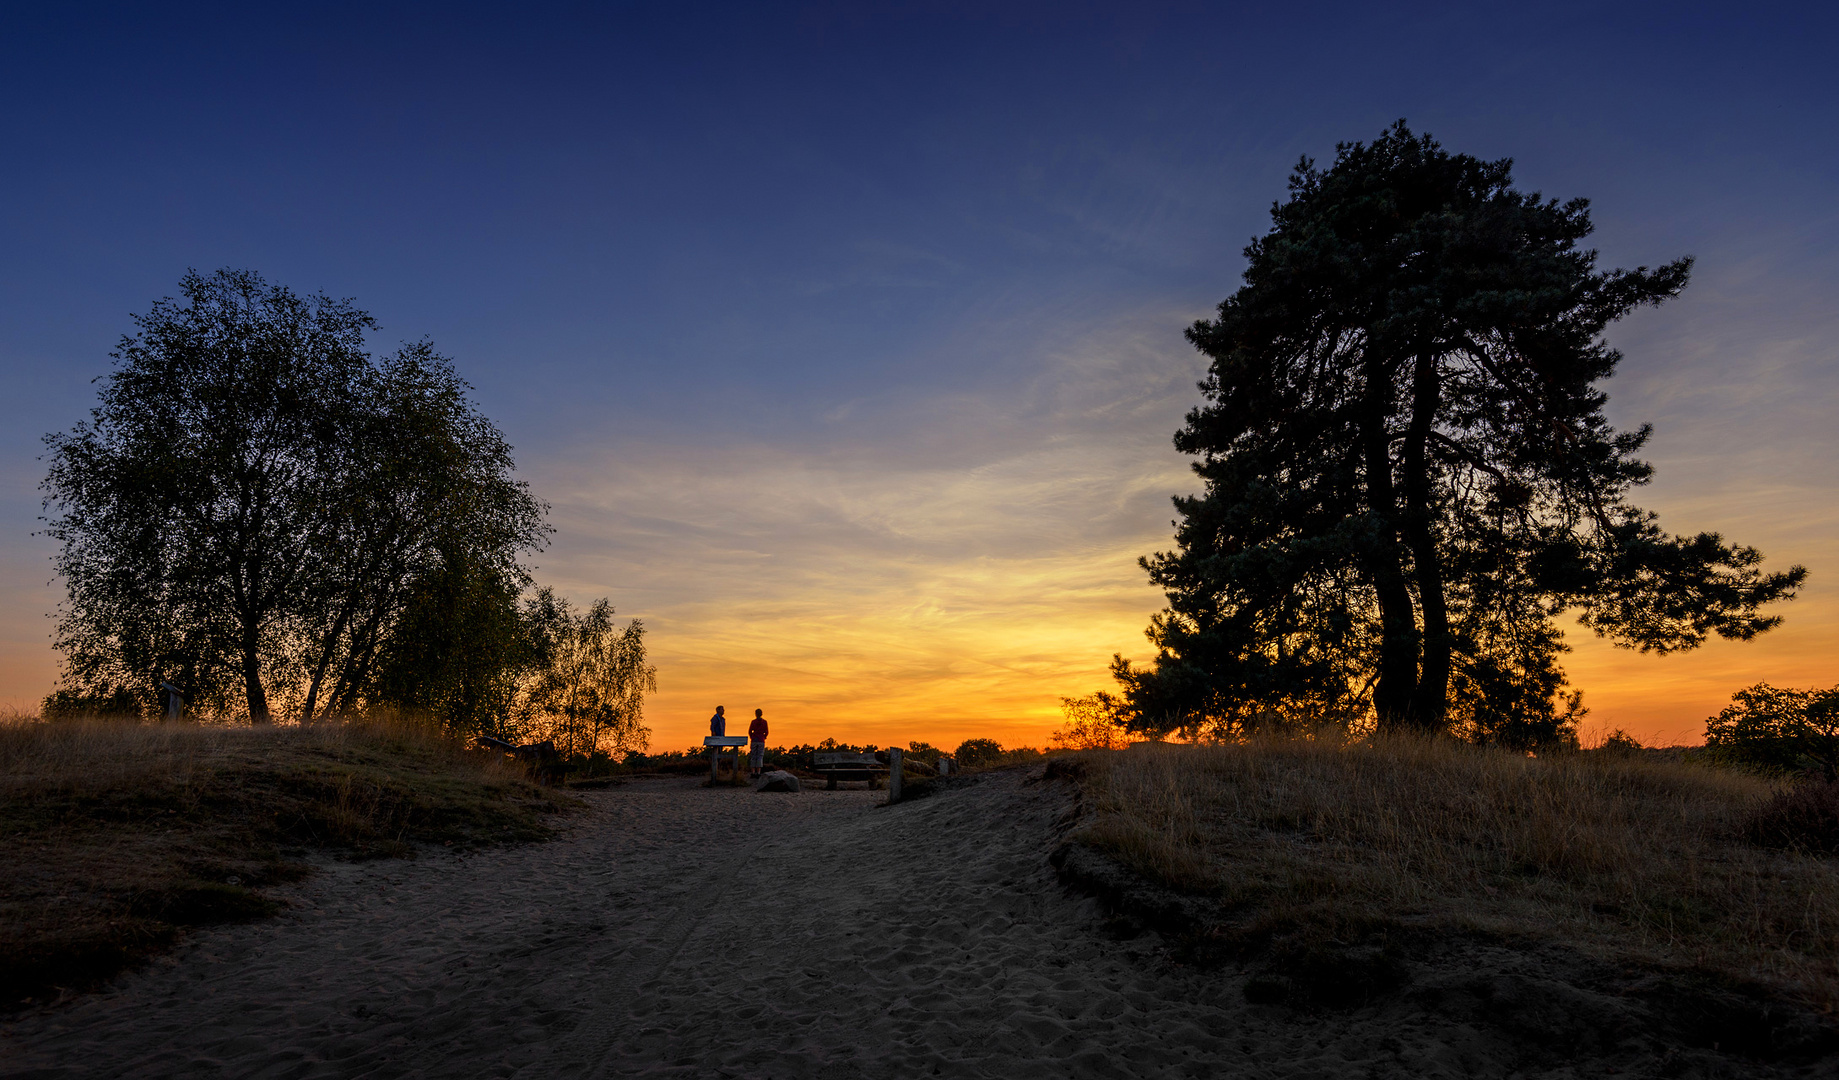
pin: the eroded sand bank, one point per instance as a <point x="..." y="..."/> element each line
<point x="681" y="931"/>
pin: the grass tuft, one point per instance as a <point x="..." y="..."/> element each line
<point x="1627" y="856"/>
<point x="1804" y="817"/>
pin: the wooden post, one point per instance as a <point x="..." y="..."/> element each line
<point x="715" y="757"/>
<point x="894" y="775"/>
<point x="175" y="701"/>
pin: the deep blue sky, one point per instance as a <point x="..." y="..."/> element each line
<point x="827" y="254"/>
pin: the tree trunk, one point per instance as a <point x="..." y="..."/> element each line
<point x="365" y="583"/>
<point x="252" y="675"/>
<point x="325" y="660"/>
<point x="356" y="670"/>
<point x="1430" y="701"/>
<point x="1398" y="647"/>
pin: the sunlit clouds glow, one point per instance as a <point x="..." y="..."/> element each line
<point x="937" y="567"/>
<point x="846" y="343"/>
<point x="940" y="567"/>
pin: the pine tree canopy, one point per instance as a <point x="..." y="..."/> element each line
<point x="1408" y="474"/>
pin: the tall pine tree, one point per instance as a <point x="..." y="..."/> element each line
<point x="1408" y="474"/>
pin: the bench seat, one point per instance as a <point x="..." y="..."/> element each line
<point x="846" y="766"/>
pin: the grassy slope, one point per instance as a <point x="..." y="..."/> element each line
<point x="117" y="836"/>
<point x="1624" y="858"/>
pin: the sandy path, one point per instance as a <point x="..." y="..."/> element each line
<point x="675" y="930"/>
<point x="680" y="931"/>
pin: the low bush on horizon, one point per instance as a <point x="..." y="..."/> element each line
<point x="970" y="754"/>
<point x="1778" y="731"/>
<point x="122" y="833"/>
<point x="1099" y="721"/>
<point x="976" y="754"/>
<point x="1623" y="855"/>
<point x="696" y="758"/>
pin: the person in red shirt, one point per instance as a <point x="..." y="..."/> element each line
<point x="756" y="736"/>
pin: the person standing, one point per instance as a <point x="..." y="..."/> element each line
<point x="756" y="737"/>
<point x="718" y="727"/>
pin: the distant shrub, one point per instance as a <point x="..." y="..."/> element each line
<point x="831" y="746"/>
<point x="988" y="754"/>
<point x="1093" y="723"/>
<point x="595" y="764"/>
<point x="978" y="753"/>
<point x="924" y="751"/>
<point x="1620" y="742"/>
<point x="1805" y="817"/>
<point x="1778" y="730"/>
<point x="983" y="753"/>
<point x="111" y="702"/>
<point x="797" y="756"/>
<point x="694" y="759"/>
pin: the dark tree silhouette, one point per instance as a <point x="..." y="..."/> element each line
<point x="460" y="648"/>
<point x="587" y="690"/>
<point x="255" y="502"/>
<point x="1778" y="730"/>
<point x="1407" y="469"/>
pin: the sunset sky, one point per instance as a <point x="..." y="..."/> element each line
<point x="845" y="339"/>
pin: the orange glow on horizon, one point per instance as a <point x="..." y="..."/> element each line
<point x="937" y="569"/>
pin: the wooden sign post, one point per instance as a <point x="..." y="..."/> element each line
<point x="894" y="776"/>
<point x="717" y="744"/>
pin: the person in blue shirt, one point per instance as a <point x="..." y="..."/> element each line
<point x="718" y="727"/>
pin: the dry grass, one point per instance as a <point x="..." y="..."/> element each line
<point x="1626" y="857"/>
<point x="119" y="834"/>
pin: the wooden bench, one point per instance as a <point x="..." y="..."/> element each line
<point x="845" y="766"/>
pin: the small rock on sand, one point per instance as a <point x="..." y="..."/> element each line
<point x="777" y="780"/>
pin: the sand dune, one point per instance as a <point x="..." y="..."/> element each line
<point x="690" y="932"/>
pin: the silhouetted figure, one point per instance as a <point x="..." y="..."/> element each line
<point x="718" y="727"/>
<point x="756" y="736"/>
